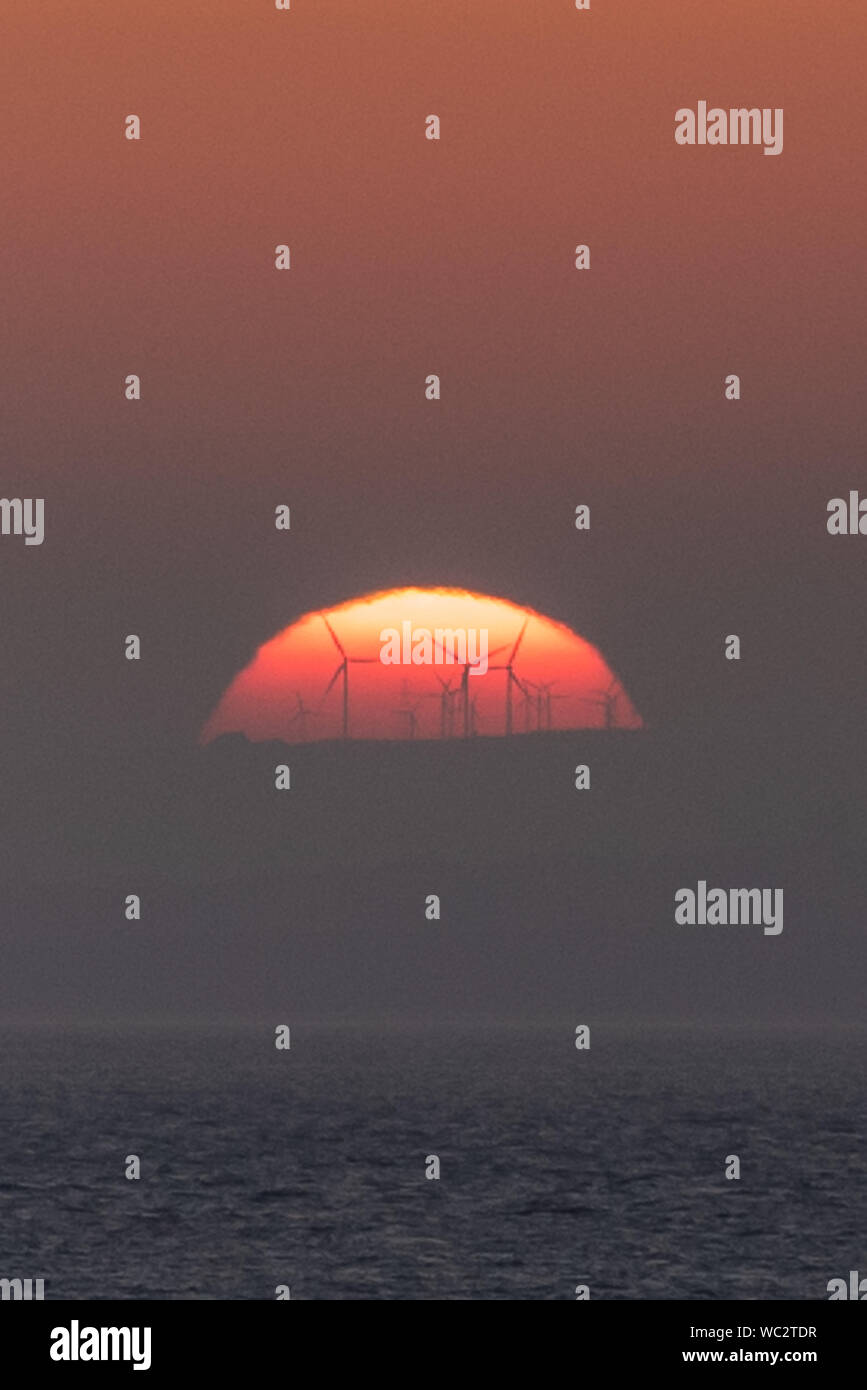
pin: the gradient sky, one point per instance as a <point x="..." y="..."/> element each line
<point x="411" y="257"/>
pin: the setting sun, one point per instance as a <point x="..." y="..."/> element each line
<point x="422" y="663"/>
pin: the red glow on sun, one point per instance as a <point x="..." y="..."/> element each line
<point x="324" y="676"/>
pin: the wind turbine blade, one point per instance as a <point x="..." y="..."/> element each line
<point x="520" y="639"/>
<point x="334" y="636"/>
<point x="332" y="681"/>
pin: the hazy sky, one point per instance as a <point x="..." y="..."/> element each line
<point x="412" y="257"/>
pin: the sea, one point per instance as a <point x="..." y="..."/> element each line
<point x="304" y="1171"/>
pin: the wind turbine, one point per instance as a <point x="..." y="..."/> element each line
<point x="465" y="686"/>
<point x="511" y="678"/>
<point x="343" y="669"/>
<point x="302" y="713"/>
<point x="410" y="712"/>
<point x="606" y="700"/>
<point x="475" y="717"/>
<point x="446" y="698"/>
<point x="546" y="691"/>
<point x="528" y="705"/>
<point x="408" y="709"/>
<point x="543" y="702"/>
<point x="533" y="685"/>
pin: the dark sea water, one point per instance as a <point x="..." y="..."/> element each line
<point x="558" y="1167"/>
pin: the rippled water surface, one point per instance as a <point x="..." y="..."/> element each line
<point x="307" y="1167"/>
